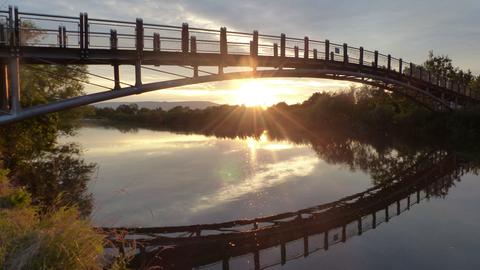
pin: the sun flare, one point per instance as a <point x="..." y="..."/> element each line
<point x="255" y="93"/>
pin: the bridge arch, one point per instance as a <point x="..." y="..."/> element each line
<point x="357" y="77"/>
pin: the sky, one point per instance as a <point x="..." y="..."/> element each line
<point x="405" y="29"/>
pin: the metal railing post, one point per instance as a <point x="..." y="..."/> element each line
<point x="315" y="54"/>
<point x="86" y="28"/>
<point x="375" y="61"/>
<point x="400" y="68"/>
<point x="156" y="42"/>
<point x="65" y="37"/>
<point x="4" y="93"/>
<point x="116" y="69"/>
<point x="223" y="48"/>
<point x="389" y="62"/>
<point x="185" y="37"/>
<point x="283" y="42"/>
<point x="255" y="43"/>
<point x="223" y="41"/>
<point x="60" y="37"/>
<point x="327" y="49"/>
<point x="345" y="53"/>
<point x="3" y="40"/>
<point x="360" y="60"/>
<point x="295" y="49"/>
<point x="193" y="49"/>
<point x="306" y="48"/>
<point x="17" y="27"/>
<point x="139" y="37"/>
<point x="81" y="31"/>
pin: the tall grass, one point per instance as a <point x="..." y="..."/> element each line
<point x="59" y="239"/>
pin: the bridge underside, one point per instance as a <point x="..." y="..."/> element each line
<point x="429" y="95"/>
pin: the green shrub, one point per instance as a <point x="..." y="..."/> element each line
<point x="59" y="239"/>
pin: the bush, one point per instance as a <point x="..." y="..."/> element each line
<point x="59" y="239"/>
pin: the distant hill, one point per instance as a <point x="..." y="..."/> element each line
<point x="162" y="104"/>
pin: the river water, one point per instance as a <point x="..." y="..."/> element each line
<point x="148" y="178"/>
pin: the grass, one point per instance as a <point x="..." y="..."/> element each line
<point x="59" y="239"/>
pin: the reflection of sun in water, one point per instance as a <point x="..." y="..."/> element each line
<point x="255" y="93"/>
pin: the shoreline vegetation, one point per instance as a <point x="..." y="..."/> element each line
<point x="359" y="114"/>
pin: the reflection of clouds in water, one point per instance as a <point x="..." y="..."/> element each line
<point x="164" y="144"/>
<point x="266" y="176"/>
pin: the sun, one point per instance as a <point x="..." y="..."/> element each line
<point x="254" y="93"/>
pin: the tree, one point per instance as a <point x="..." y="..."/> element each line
<point x="27" y="147"/>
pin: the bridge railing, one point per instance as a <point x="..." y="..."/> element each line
<point x="82" y="32"/>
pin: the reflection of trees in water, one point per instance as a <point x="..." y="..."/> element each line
<point x="57" y="178"/>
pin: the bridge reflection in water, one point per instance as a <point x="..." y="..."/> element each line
<point x="268" y="241"/>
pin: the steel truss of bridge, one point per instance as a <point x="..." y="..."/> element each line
<point x="34" y="39"/>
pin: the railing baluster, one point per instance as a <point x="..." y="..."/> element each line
<point x="86" y="38"/>
<point x="360" y="60"/>
<point x="114" y="47"/>
<point x="223" y="41"/>
<point x="283" y="41"/>
<point x="345" y="53"/>
<point x="139" y="46"/>
<point x="60" y="37"/>
<point x="193" y="49"/>
<point x="81" y="26"/>
<point x="305" y="48"/>
<point x="389" y="62"/>
<point x="327" y="49"/>
<point x="156" y="42"/>
<point x="185" y="37"/>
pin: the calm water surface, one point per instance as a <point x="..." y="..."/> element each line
<point x="155" y="178"/>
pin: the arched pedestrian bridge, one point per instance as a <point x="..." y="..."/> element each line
<point x="72" y="40"/>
